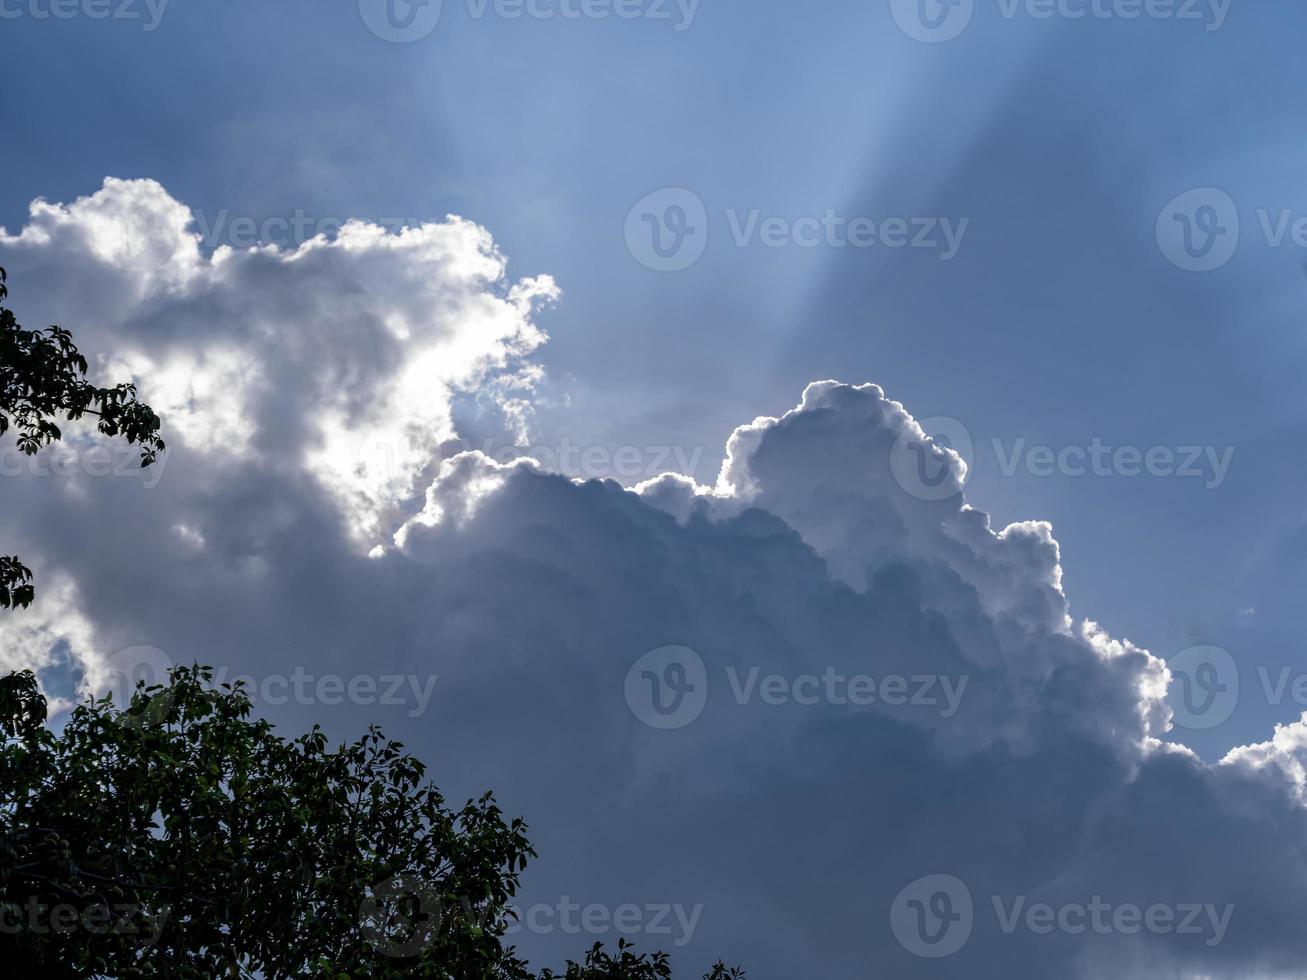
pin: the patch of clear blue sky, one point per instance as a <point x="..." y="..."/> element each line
<point x="1060" y="320"/>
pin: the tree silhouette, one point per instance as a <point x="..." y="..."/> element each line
<point x="179" y="837"/>
<point x="43" y="379"/>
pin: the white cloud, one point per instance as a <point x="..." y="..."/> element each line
<point x="344" y="352"/>
<point x="48" y="632"/>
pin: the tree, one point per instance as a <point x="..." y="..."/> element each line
<point x="178" y="837"/>
<point x="43" y="378"/>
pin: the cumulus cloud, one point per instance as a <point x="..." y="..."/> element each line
<point x="785" y="700"/>
<point x="342" y="354"/>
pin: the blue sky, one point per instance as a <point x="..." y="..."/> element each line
<point x="1052" y="146"/>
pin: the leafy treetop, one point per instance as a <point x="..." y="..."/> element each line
<point x="221" y="849"/>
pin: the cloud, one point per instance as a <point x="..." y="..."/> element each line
<point x="786" y="699"/>
<point x="342" y="354"/>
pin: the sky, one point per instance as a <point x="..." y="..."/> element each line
<point x="363" y="255"/>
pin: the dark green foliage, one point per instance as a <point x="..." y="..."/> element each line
<point x="42" y="379"/>
<point x="15" y="583"/>
<point x="185" y="839"/>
